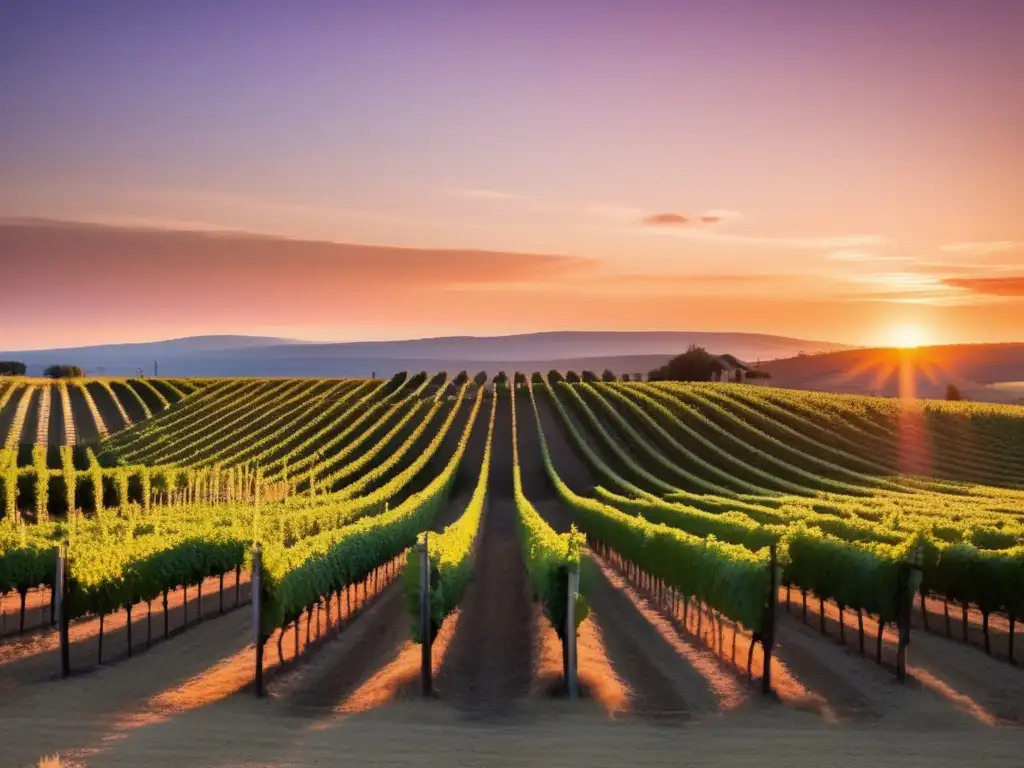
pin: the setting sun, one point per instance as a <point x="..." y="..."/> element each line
<point x="907" y="336"/>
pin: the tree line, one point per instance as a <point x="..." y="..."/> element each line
<point x="17" y="368"/>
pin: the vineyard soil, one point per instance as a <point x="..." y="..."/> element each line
<point x="34" y="656"/>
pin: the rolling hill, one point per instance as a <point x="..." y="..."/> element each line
<point x="924" y="372"/>
<point x="623" y="352"/>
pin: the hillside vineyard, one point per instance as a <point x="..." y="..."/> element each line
<point x="760" y="528"/>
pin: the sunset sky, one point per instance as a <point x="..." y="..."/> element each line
<point x="837" y="171"/>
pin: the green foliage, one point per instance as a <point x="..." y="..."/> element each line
<point x="450" y="553"/>
<point x="12" y="368"/>
<point x="730" y="527"/>
<point x="67" y="468"/>
<point x="549" y="556"/>
<point x="106" y="575"/>
<point x="42" y="479"/>
<point x="710" y="478"/>
<point x="695" y="364"/>
<point x="855" y="575"/>
<point x="991" y="580"/>
<point x="395" y="382"/>
<point x="696" y="481"/>
<point x="27" y="565"/>
<point x="374" y="473"/>
<point x="9" y="478"/>
<point x="63" y="372"/>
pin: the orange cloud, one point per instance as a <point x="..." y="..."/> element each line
<point x="163" y="272"/>
<point x="989" y="286"/>
<point x="665" y="220"/>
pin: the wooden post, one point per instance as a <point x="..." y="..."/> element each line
<point x="768" y="632"/>
<point x="571" y="683"/>
<point x="60" y="596"/>
<point x="903" y="622"/>
<point x="426" y="657"/>
<point x="860" y="630"/>
<point x="1013" y="620"/>
<point x="257" y="615"/>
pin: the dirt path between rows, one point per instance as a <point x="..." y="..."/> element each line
<point x="37" y="612"/>
<point x="948" y="621"/>
<point x="985" y="688"/>
<point x="243" y="732"/>
<point x="35" y="656"/>
<point x="490" y="661"/>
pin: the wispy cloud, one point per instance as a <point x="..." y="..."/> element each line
<point x="936" y="290"/>
<point x="274" y="266"/>
<point x="589" y="279"/>
<point x="952" y="269"/>
<point x="983" y="247"/>
<point x="665" y="220"/>
<point x="989" y="286"/>
<point x="670" y="219"/>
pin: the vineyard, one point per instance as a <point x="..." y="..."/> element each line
<point x="655" y="550"/>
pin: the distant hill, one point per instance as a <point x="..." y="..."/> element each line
<point x="128" y="358"/>
<point x="623" y="352"/>
<point x="926" y="371"/>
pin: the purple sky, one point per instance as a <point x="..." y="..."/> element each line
<point x="866" y="152"/>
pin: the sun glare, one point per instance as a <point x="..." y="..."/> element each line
<point x="907" y="336"/>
